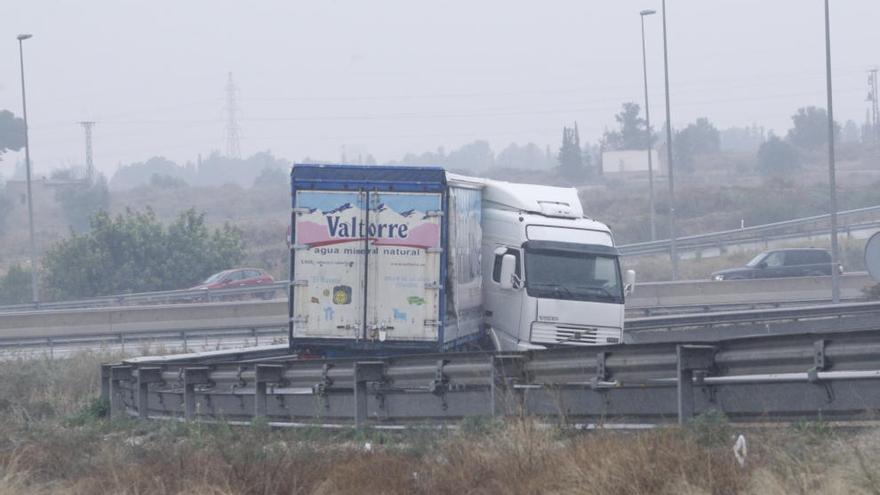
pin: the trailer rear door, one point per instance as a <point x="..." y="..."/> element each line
<point x="329" y="264"/>
<point x="404" y="266"/>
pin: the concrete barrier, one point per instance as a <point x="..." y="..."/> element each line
<point x="140" y="319"/>
<point x="766" y="290"/>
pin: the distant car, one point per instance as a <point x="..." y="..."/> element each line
<point x="239" y="278"/>
<point x="802" y="262"/>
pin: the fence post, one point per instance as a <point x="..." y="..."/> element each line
<point x="691" y="358"/>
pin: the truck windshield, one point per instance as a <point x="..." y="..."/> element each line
<point x="571" y="275"/>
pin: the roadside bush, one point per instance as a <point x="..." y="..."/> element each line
<point x="15" y="286"/>
<point x="134" y="252"/>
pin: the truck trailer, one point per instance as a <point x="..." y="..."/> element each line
<point x="415" y="259"/>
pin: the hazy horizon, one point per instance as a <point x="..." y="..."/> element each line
<point x="395" y="77"/>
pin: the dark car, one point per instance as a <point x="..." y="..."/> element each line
<point x="801" y="262"/>
<point x="239" y="278"/>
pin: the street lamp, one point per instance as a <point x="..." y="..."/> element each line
<point x="832" y="181"/>
<point x="673" y="252"/>
<point x="27" y="160"/>
<point x="642" y="15"/>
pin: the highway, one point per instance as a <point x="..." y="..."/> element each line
<point x="202" y="326"/>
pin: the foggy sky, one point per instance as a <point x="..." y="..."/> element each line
<point x="393" y="76"/>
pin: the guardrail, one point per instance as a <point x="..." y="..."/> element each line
<point x="831" y="376"/>
<point x="708" y="295"/>
<point x="144" y="319"/>
<point x="756" y="233"/>
<point x="145" y="342"/>
<point x="717" y="326"/>
<point x="267" y="291"/>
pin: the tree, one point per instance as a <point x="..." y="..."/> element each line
<point x="133" y="252"/>
<point x="11" y="132"/>
<point x="162" y="181"/>
<point x="271" y="177"/>
<point x="15" y="286"/>
<point x="81" y="198"/>
<point x="472" y="156"/>
<point x="743" y="139"/>
<point x="810" y="129"/>
<point x="777" y="159"/>
<point x="5" y="209"/>
<point x="700" y="137"/>
<point x="850" y="133"/>
<point x="632" y="134"/>
<point x="141" y="173"/>
<point x="529" y="157"/>
<point x="571" y="163"/>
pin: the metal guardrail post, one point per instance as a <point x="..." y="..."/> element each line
<point x="105" y="383"/>
<point x="820" y="361"/>
<point x="365" y="371"/>
<point x="264" y="375"/>
<point x="146" y="376"/>
<point x="507" y="371"/>
<point x="691" y="358"/>
<point x="191" y="378"/>
<point x="118" y="374"/>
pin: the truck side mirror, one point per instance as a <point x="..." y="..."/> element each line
<point x="629" y="282"/>
<point x="508" y="271"/>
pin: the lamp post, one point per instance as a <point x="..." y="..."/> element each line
<point x="673" y="252"/>
<point x="832" y="181"/>
<point x="27" y="160"/>
<point x="648" y="146"/>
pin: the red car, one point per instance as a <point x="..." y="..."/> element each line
<point x="239" y="277"/>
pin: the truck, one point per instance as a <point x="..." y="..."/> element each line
<point x="390" y="259"/>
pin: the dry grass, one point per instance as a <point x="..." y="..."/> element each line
<point x="52" y="442"/>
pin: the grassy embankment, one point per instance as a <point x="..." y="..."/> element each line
<point x="54" y="441"/>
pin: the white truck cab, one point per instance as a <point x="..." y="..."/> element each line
<point x="553" y="276"/>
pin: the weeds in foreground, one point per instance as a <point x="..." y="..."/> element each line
<point x="61" y="442"/>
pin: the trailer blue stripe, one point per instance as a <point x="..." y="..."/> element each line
<point x="367" y="177"/>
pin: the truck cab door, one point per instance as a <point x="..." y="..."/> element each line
<point x="404" y="266"/>
<point x="504" y="306"/>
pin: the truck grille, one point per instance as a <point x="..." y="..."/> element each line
<point x="564" y="334"/>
